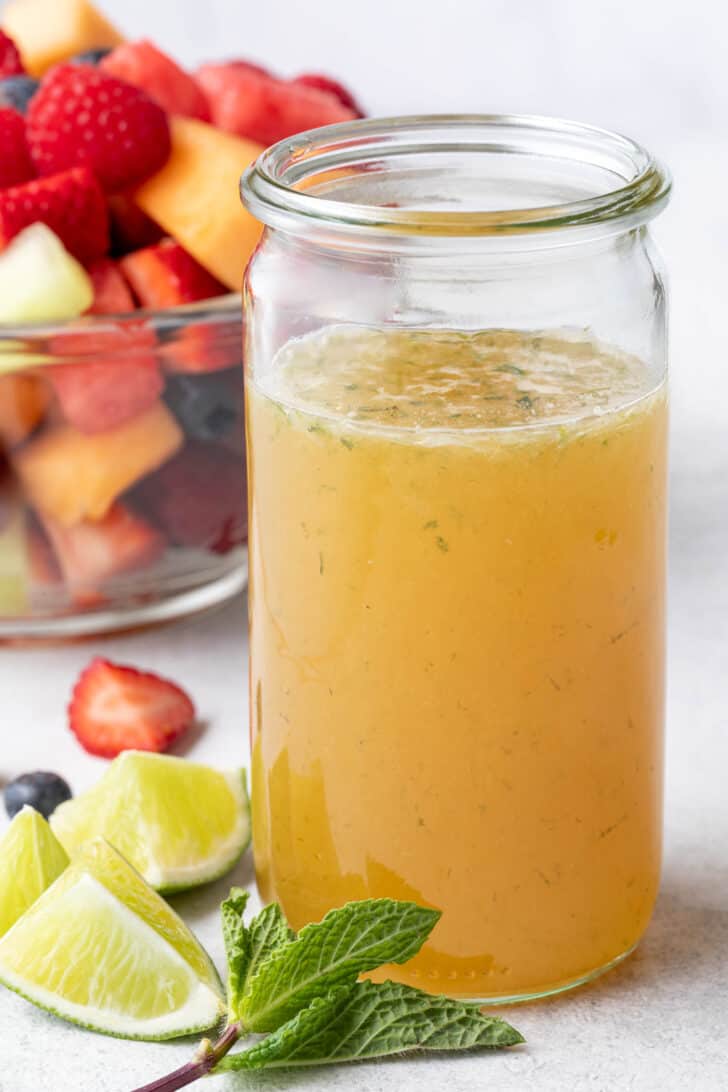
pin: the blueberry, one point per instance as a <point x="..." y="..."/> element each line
<point x="90" y="56"/>
<point x="42" y="791"/>
<point x="17" y="91"/>
<point x="208" y="407"/>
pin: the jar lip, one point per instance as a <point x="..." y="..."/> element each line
<point x="274" y="186"/>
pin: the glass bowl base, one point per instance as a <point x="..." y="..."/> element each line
<point x="128" y="616"/>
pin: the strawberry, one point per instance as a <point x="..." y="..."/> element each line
<point x="112" y="295"/>
<point x="116" y="708"/>
<point x="72" y="204"/>
<point x="131" y="229"/>
<point x="145" y="66"/>
<point x="331" y="87"/>
<point x="93" y="551"/>
<point x="80" y="115"/>
<point x="16" y="165"/>
<point x="10" y="62"/>
<point x="198" y="498"/>
<point x="166" y="275"/>
<point x="264" y="109"/>
<point x="114" y="378"/>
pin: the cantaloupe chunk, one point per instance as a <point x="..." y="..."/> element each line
<point x="71" y="476"/>
<point x="23" y="402"/>
<point x="195" y="198"/>
<point x="49" y="31"/>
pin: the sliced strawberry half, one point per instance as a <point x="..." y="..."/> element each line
<point x="117" y="708"/>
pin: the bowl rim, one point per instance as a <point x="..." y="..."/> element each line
<point x="218" y="309"/>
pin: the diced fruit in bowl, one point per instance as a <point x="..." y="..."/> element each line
<point x="131" y="229"/>
<point x="116" y="708"/>
<point x="39" y="280"/>
<point x="23" y="403"/>
<point x="112" y="295"/>
<point x="194" y="197"/>
<point x="166" y="275"/>
<point x="31" y="859"/>
<point x="59" y="954"/>
<point x="17" y="91"/>
<point x="10" y="62"/>
<point x="115" y="378"/>
<point x="72" y="476"/>
<point x="41" y="790"/>
<point x="82" y="116"/>
<point x="121" y="397"/>
<point x="71" y="204"/>
<point x="263" y="108"/>
<point x="16" y="165"/>
<point x="208" y="407"/>
<point x="91" y="553"/>
<point x="49" y="31"/>
<point x="197" y="498"/>
<point x="178" y="822"/>
<point x="14" y="590"/>
<point x="332" y="87"/>
<point x="145" y="66"/>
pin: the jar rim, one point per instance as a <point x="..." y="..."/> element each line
<point x="278" y="188"/>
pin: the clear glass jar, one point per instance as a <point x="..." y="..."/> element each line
<point x="456" y="406"/>
<point x="122" y="470"/>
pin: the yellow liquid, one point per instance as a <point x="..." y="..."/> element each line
<point x="457" y="644"/>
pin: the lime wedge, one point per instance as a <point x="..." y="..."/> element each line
<point x="179" y="823"/>
<point x="31" y="858"/>
<point x="101" y="949"/>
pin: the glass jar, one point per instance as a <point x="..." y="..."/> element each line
<point x="456" y="406"/>
<point x="122" y="470"/>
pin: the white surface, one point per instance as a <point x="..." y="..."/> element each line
<point x="661" y="1022"/>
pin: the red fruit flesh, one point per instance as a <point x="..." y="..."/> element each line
<point x="145" y="66"/>
<point x="94" y="551"/>
<point x="112" y="295"/>
<point x="131" y="229"/>
<point x="116" y="708"/>
<point x="10" y="62"/>
<point x="72" y="204"/>
<point x="331" y="87"/>
<point x="166" y="275"/>
<point x="81" y="116"/>
<point x="198" y="498"/>
<point x="112" y="376"/>
<point x="264" y="109"/>
<point x="16" y="165"/>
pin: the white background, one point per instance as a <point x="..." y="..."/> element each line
<point x="659" y="71"/>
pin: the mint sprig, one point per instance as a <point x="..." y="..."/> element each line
<point x="359" y="937"/>
<point x="305" y="992"/>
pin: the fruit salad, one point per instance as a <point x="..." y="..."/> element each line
<point x="122" y="244"/>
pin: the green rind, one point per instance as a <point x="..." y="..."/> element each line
<point x="183" y="1033"/>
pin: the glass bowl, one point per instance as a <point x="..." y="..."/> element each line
<point x="122" y="470"/>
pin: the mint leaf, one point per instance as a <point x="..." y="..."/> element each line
<point x="371" y="1020"/>
<point x="349" y="941"/>
<point x="236" y="938"/>
<point x="267" y="932"/>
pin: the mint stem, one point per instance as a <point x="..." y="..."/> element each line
<point x="205" y="1061"/>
